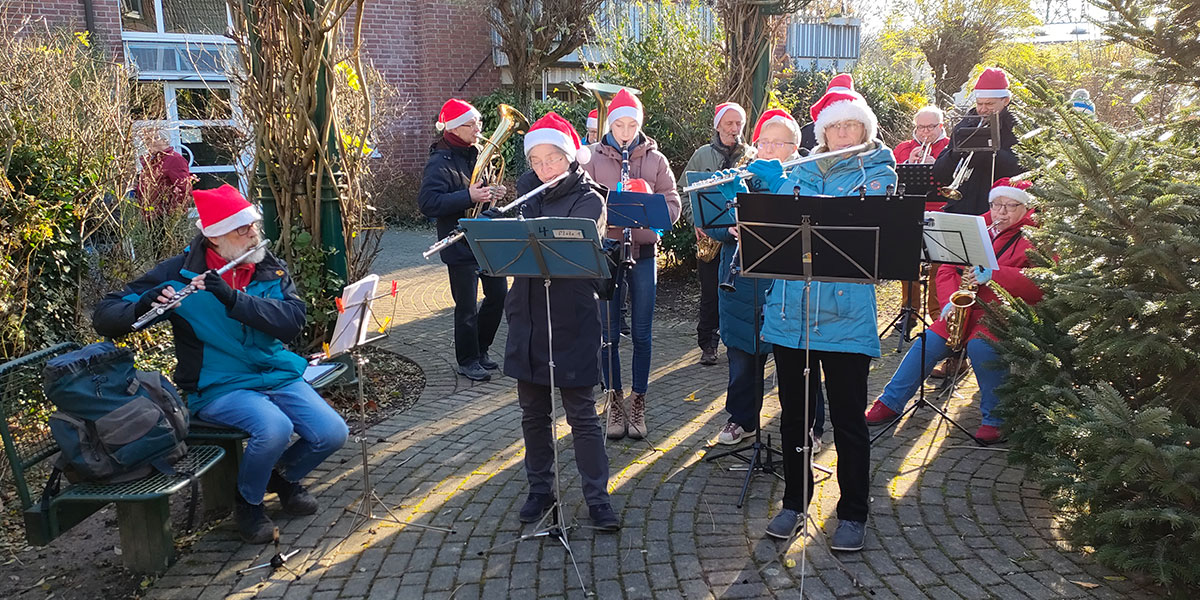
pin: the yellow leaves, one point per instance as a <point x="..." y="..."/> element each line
<point x="85" y="38"/>
<point x="353" y="141"/>
<point x="347" y="70"/>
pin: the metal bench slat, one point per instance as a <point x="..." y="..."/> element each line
<point x="198" y="460"/>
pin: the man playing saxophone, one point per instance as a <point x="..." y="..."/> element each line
<point x="446" y="194"/>
<point x="1009" y="214"/>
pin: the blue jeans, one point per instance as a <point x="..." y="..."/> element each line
<point x="743" y="401"/>
<point x="989" y="373"/>
<point x="270" y="417"/>
<point x="641" y="283"/>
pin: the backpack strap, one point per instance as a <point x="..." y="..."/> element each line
<point x="53" y="487"/>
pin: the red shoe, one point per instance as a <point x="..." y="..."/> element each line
<point x="988" y="434"/>
<point x="880" y="414"/>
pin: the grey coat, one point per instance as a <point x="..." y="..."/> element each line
<point x="574" y="312"/>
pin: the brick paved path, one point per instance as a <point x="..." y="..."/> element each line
<point x="949" y="520"/>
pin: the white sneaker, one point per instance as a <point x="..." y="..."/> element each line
<point x="816" y="443"/>
<point x="731" y="434"/>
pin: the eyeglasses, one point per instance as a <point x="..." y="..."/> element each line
<point x="1006" y="206"/>
<point x="934" y="126"/>
<point x="245" y="230"/>
<point x="773" y="145"/>
<point x="552" y="162"/>
<point x="846" y="125"/>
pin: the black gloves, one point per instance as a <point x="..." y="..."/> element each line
<point x="146" y="302"/>
<point x="492" y="213"/>
<point x="217" y="287"/>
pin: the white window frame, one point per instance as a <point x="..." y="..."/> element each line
<point x="162" y="35"/>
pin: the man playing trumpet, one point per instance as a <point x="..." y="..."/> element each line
<point x="928" y="141"/>
<point x="1009" y="214"/>
<point x="232" y="361"/>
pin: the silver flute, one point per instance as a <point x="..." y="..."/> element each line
<point x="189" y="289"/>
<point x="459" y="233"/>
<point x="744" y="173"/>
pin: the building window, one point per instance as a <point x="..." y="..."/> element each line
<point x="175" y="17"/>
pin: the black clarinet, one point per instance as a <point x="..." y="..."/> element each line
<point x="627" y="259"/>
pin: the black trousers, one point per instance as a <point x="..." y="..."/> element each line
<point x="586" y="436"/>
<point x="709" y="323"/>
<point x="475" y="323"/>
<point x="846" y="389"/>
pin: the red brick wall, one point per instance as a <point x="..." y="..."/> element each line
<point x="428" y="49"/>
<point x="69" y="14"/>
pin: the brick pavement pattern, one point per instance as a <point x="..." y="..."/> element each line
<point x="949" y="519"/>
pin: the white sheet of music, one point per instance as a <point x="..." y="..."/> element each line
<point x="958" y="239"/>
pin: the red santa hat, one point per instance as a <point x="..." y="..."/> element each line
<point x="456" y="112"/>
<point x="1011" y="189"/>
<point x="993" y="83"/>
<point x="835" y="107"/>
<point x="842" y="82"/>
<point x="624" y="104"/>
<point x="592" y="119"/>
<point x="223" y="210"/>
<point x="775" y="115"/>
<point x="556" y="131"/>
<point x="726" y="107"/>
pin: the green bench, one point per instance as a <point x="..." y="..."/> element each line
<point x="143" y="506"/>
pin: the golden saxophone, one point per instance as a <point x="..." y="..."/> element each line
<point x="961" y="302"/>
<point x="489" y="166"/>
<point x="707" y="248"/>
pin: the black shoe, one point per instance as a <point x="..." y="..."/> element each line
<point x="535" y="507"/>
<point x="253" y="524"/>
<point x="474" y="372"/>
<point x="603" y="517"/>
<point x="295" y="499"/>
<point x="487" y="363"/>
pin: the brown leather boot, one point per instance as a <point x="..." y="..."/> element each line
<point x="637" y="416"/>
<point x="618" y="421"/>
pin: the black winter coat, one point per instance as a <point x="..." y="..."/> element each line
<point x="574" y="310"/>
<point x="444" y="194"/>
<point x="976" y="188"/>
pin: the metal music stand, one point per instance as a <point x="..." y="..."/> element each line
<point x="712" y="210"/>
<point x="349" y="337"/>
<point x="548" y="248"/>
<point x="950" y="239"/>
<point x="916" y="180"/>
<point x="629" y="211"/>
<point x="837" y="240"/>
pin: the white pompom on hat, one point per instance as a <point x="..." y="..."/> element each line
<point x="992" y="83"/>
<point x="625" y="104"/>
<point x="454" y="113"/>
<point x="1007" y="188"/>
<point x="726" y="107"/>
<point x="835" y="107"/>
<point x="554" y="130"/>
<point x="222" y="210"/>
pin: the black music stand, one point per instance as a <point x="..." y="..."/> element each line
<point x="837" y="240"/>
<point x="548" y="248"/>
<point x="954" y="239"/>
<point x="711" y="210"/>
<point x="629" y="211"/>
<point x="916" y="180"/>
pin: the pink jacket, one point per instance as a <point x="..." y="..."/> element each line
<point x="645" y="162"/>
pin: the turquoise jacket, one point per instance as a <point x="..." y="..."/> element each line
<point x="842" y="315"/>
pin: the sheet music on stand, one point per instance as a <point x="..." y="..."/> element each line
<point x="958" y="240"/>
<point x="351" y="327"/>
<point x="564" y="246"/>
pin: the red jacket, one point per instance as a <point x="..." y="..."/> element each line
<point x="166" y="181"/>
<point x="1010" y="276"/>
<point x="904" y="149"/>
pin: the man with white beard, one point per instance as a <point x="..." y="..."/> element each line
<point x="229" y="342"/>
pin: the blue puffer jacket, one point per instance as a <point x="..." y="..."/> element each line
<point x="842" y="318"/>
<point x="219" y="350"/>
<point x="736" y="308"/>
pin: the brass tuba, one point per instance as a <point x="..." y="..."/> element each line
<point x="489" y="166"/>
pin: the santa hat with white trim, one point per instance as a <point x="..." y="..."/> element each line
<point x="992" y="83"/>
<point x="223" y="210"/>
<point x="592" y="121"/>
<point x="835" y="107"/>
<point x="624" y="104"/>
<point x="454" y="113"/>
<point x="726" y="107"/>
<point x="556" y="131"/>
<point x="775" y="115"/>
<point x="842" y="82"/>
<point x="1005" y="187"/>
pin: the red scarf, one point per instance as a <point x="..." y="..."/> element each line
<point x="238" y="277"/>
<point x="454" y="140"/>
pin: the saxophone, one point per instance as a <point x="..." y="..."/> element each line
<point x="962" y="301"/>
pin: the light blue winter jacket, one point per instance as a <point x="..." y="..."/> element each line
<point x="842" y="318"/>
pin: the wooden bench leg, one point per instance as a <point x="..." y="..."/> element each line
<point x="220" y="482"/>
<point x="147" y="545"/>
